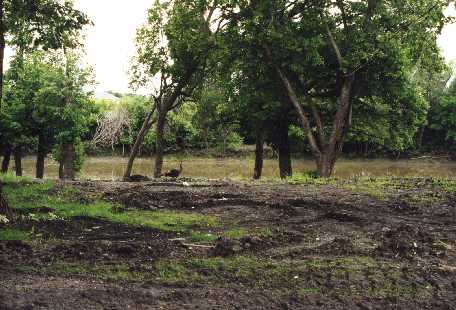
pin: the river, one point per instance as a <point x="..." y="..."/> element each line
<point x="111" y="168"/>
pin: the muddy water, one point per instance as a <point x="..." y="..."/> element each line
<point x="111" y="168"/>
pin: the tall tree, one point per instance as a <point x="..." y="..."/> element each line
<point x="173" y="49"/>
<point x="329" y="55"/>
<point x="50" y="24"/>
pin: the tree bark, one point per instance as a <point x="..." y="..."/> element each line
<point x="18" y="161"/>
<point x="419" y="139"/>
<point x="4" y="207"/>
<point x="341" y="122"/>
<point x="6" y="159"/>
<point x="284" y="150"/>
<point x="41" y="155"/>
<point x="326" y="162"/>
<point x="2" y="48"/>
<point x="67" y="158"/>
<point x="40" y="165"/>
<point x="160" y="144"/>
<point x="147" y="124"/>
<point x="61" y="175"/>
<point x="259" y="154"/>
<point x="68" y="168"/>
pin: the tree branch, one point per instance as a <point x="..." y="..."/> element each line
<point x="304" y="119"/>
<point x="334" y="45"/>
<point x="319" y="123"/>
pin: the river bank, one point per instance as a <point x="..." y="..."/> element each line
<point x="112" y="168"/>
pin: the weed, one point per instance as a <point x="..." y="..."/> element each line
<point x="14" y="235"/>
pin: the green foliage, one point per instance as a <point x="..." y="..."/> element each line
<point x="47" y="23"/>
<point x="13" y="235"/>
<point x="444" y="113"/>
<point x="47" y="103"/>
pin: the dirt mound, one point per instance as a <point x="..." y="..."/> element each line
<point x="343" y="217"/>
<point x="339" y="246"/>
<point x="12" y="251"/>
<point x="144" y="198"/>
<point x="405" y="207"/>
<point x="407" y="241"/>
<point x="227" y="247"/>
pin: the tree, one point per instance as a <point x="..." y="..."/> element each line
<point x="36" y="102"/>
<point x="32" y="23"/>
<point x="46" y="23"/>
<point x="76" y="107"/>
<point x="330" y="55"/>
<point x="442" y="127"/>
<point x="173" y="49"/>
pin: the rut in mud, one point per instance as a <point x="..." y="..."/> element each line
<point x="226" y="245"/>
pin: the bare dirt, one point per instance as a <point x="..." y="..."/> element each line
<point x="326" y="247"/>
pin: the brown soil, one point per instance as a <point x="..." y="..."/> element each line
<point x="351" y="251"/>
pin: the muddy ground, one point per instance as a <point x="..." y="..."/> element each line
<point x="314" y="246"/>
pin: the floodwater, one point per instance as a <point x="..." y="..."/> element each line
<point x="111" y="168"/>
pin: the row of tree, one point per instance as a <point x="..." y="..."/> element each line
<point x="311" y="76"/>
<point x="330" y="62"/>
<point x="27" y="25"/>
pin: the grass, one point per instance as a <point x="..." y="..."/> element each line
<point x="236" y="233"/>
<point x="203" y="237"/>
<point x="426" y="190"/>
<point x="310" y="276"/>
<point x="13" y="179"/>
<point x="99" y="271"/>
<point x="358" y="276"/>
<point x="233" y="233"/>
<point x="28" y="197"/>
<point x="14" y="235"/>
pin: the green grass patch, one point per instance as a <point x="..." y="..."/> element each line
<point x="65" y="203"/>
<point x="14" y="235"/>
<point x="313" y="276"/>
<point x="99" y="271"/>
<point x="106" y="272"/>
<point x="424" y="190"/>
<point x="203" y="237"/>
<point x="236" y="233"/>
<point x="10" y="178"/>
<point x="310" y="178"/>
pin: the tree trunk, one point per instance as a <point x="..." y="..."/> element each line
<point x="285" y="161"/>
<point x="160" y="144"/>
<point x="67" y="158"/>
<point x="419" y="139"/>
<point x="40" y="165"/>
<point x="2" y="48"/>
<point x="325" y="153"/>
<point x="4" y="207"/>
<point x="147" y="124"/>
<point x="284" y="147"/>
<point x="6" y="159"/>
<point x="68" y="168"/>
<point x="61" y="175"/>
<point x="259" y="154"/>
<point x="326" y="162"/>
<point x="40" y="157"/>
<point x="18" y="161"/>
